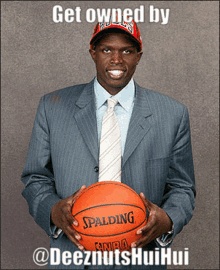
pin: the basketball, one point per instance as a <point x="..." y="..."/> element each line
<point x="109" y="215"/>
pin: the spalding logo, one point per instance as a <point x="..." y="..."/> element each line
<point x="110" y="220"/>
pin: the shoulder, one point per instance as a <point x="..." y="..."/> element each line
<point x="64" y="94"/>
<point x="62" y="100"/>
<point x="162" y="107"/>
<point x="160" y="101"/>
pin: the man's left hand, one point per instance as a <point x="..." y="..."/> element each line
<point x="158" y="223"/>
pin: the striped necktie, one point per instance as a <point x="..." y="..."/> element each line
<point x="110" y="145"/>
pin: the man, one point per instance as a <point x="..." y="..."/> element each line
<point x="65" y="148"/>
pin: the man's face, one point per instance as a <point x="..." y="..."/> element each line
<point x="116" y="59"/>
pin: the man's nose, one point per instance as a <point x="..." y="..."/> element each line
<point x="116" y="58"/>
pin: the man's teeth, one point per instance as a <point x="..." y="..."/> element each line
<point x="115" y="72"/>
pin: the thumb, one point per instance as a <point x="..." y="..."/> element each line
<point x="74" y="196"/>
<point x="147" y="203"/>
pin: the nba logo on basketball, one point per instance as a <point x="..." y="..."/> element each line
<point x="109" y="246"/>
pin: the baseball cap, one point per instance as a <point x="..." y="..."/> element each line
<point x="130" y="28"/>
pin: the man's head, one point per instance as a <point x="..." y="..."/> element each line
<point x="116" y="50"/>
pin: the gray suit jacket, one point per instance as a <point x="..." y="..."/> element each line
<point x="64" y="152"/>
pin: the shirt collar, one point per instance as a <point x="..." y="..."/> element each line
<point x="125" y="97"/>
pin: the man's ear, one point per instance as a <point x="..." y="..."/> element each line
<point x="93" y="54"/>
<point x="139" y="54"/>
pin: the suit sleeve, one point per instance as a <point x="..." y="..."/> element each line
<point x="38" y="177"/>
<point x="178" y="199"/>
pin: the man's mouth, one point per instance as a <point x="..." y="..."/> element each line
<point x="116" y="74"/>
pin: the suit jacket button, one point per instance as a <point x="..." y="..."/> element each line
<point x="96" y="169"/>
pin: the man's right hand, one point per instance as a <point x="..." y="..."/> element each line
<point x="61" y="216"/>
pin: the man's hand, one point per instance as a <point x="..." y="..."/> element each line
<point x="158" y="223"/>
<point x="61" y="216"/>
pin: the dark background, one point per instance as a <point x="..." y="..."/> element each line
<point x="180" y="59"/>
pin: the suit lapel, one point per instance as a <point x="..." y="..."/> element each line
<point x="140" y="123"/>
<point x="86" y="118"/>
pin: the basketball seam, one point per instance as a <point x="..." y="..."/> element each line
<point x="107" y="205"/>
<point x="111" y="234"/>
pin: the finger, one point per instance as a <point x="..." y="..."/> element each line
<point x="145" y="238"/>
<point x="67" y="215"/>
<point x="150" y="223"/>
<point x="68" y="208"/>
<point x="148" y="239"/>
<point x="76" y="194"/>
<point x="71" y="219"/>
<point x="75" y="242"/>
<point x="73" y="235"/>
<point x="70" y="230"/>
<point x="73" y="197"/>
<point x="148" y="204"/>
<point x="75" y="222"/>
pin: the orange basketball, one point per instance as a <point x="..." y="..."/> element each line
<point x="109" y="214"/>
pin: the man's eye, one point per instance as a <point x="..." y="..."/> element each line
<point x="106" y="50"/>
<point x="126" y="51"/>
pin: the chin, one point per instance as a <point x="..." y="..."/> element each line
<point x="120" y="83"/>
<point x="113" y="85"/>
<point x="117" y="86"/>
